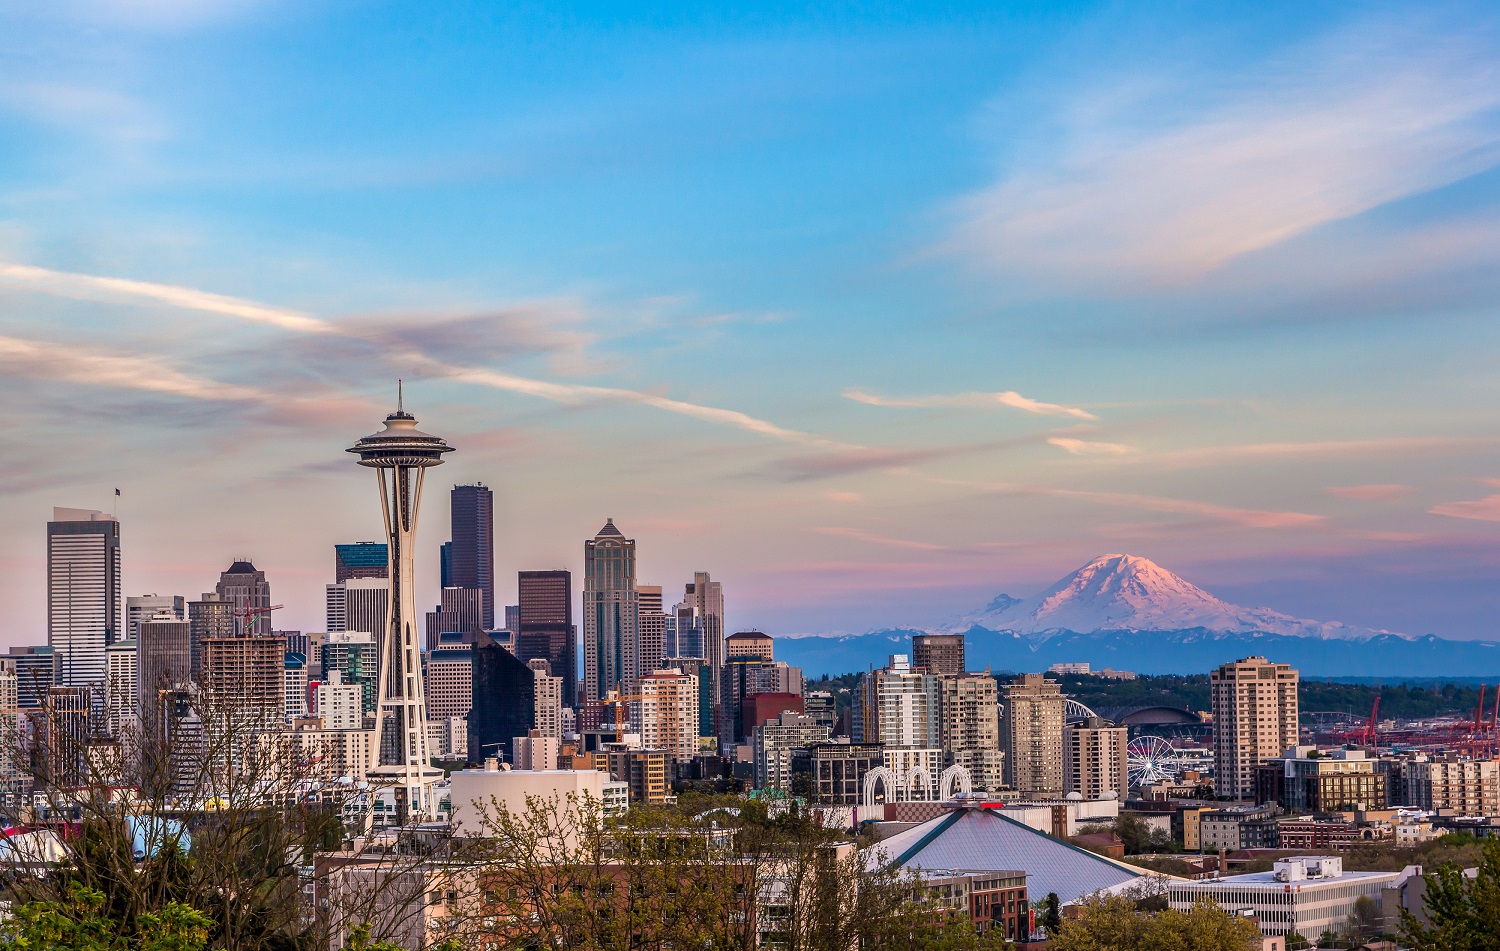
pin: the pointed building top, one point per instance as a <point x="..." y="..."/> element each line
<point x="609" y="529"/>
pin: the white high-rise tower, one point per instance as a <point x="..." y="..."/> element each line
<point x="399" y="454"/>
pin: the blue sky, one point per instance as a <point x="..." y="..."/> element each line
<point x="871" y="312"/>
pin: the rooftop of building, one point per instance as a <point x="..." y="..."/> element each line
<point x="609" y="529"/>
<point x="362" y="554"/>
<point x="748" y="636"/>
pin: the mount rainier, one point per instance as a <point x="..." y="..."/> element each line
<point x="1127" y="612"/>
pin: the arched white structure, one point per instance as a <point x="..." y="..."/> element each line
<point x="919" y="785"/>
<point x="1073" y="711"/>
<point x="887" y="779"/>
<point x="959" y="775"/>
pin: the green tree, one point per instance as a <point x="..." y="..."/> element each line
<point x="1463" y="913"/>
<point x="1115" y="924"/>
<point x="79" y="924"/>
<point x="1051" y="913"/>
<point x="1295" y="942"/>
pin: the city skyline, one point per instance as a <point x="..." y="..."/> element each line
<point x="874" y="317"/>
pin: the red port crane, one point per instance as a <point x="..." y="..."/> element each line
<point x="1367" y="735"/>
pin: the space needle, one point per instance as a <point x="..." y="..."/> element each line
<point x="399" y="454"/>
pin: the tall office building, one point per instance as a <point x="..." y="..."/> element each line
<point x="359" y="604"/>
<point x="352" y="654"/>
<point x="705" y="597"/>
<point x="294" y="667"/>
<point x="36" y="673"/>
<point x="504" y="700"/>
<point x="139" y="607"/>
<point x="83" y="592"/>
<point x="970" y="727"/>
<point x="749" y="644"/>
<point x="211" y="616"/>
<point x="461" y="611"/>
<point x="549" y="701"/>
<point x="611" y="612"/>
<point x="341" y="705"/>
<point x="652" y="628"/>
<point x="900" y="706"/>
<point x="544" y="626"/>
<point x="245" y="587"/>
<point x="121" y="687"/>
<point x="1254" y="704"/>
<point x="1094" y="759"/>
<point x="668" y="713"/>
<point x="1031" y="735"/>
<point x="164" y="664"/>
<point x="683" y="635"/>
<point x="449" y="678"/>
<point x="360" y="560"/>
<point x="472" y="562"/>
<point x="938" y="653"/>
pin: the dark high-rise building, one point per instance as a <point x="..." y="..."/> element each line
<point x="611" y="613"/>
<point x="939" y="653"/>
<point x="360" y="560"/>
<point x="36" y="673"/>
<point x="544" y="626"/>
<point x="445" y="564"/>
<point x="512" y="617"/>
<point x="210" y="617"/>
<point x="460" y="612"/>
<point x="164" y="652"/>
<point x="472" y="562"/>
<point x="504" y="700"/>
<point x="83" y="592"/>
<point x="246" y="588"/>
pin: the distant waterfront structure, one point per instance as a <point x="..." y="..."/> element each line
<point x="83" y="593"/>
<point x="472" y="558"/>
<point x="1094" y="759"/>
<point x="139" y="607"/>
<point x="1031" y="735"/>
<point x="611" y="612"/>
<point x="360" y="560"/>
<point x="544" y="626"/>
<point x="400" y="455"/>
<point x="246" y="588"/>
<point x="1254" y="704"/>
<point x="939" y="653"/>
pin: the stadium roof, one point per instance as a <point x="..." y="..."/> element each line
<point x="979" y="839"/>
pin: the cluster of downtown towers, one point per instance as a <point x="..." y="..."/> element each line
<point x="628" y="631"/>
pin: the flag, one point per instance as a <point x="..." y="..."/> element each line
<point x="117" y="493"/>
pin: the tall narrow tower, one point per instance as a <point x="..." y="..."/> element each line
<point x="399" y="454"/>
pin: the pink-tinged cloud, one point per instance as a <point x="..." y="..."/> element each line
<point x="870" y="539"/>
<point x="1404" y="445"/>
<point x="1393" y="492"/>
<point x="1249" y="518"/>
<point x="1008" y="398"/>
<point x="150" y="374"/>
<point x="1090" y="447"/>
<point x="1486" y="509"/>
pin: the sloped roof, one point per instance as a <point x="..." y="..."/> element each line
<point x="609" y="529"/>
<point x="241" y="568"/>
<point x="987" y="840"/>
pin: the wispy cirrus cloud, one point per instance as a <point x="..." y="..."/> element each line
<point x="1009" y="398"/>
<point x="1090" y="447"/>
<point x="1388" y="492"/>
<point x="91" y="287"/>
<point x="1486" y="509"/>
<point x="872" y="539"/>
<point x="52" y="361"/>
<point x="1369" y="114"/>
<point x="1403" y="445"/>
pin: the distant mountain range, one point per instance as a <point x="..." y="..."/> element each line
<point x="1129" y="613"/>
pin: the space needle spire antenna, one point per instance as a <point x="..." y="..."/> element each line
<point x="400" y="454"/>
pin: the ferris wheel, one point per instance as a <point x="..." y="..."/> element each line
<point x="1150" y="760"/>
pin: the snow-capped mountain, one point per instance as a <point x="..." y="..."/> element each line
<point x="1129" y="593"/>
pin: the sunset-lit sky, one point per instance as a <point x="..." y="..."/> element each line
<point x="871" y="312"/>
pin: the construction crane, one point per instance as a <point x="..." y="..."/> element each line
<point x="247" y="613"/>
<point x="619" y="703"/>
